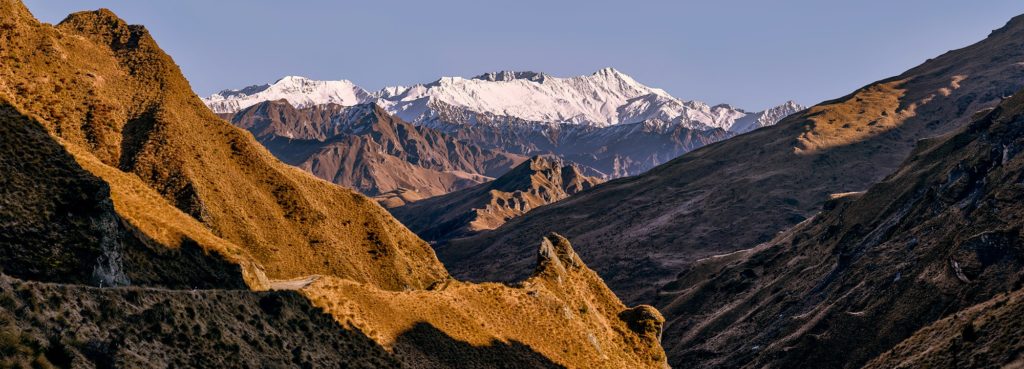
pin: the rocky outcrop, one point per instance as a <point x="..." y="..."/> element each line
<point x="537" y="182"/>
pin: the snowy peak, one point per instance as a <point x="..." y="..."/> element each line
<point x="299" y="91"/>
<point x="604" y="98"/>
<point x="250" y="90"/>
<point x="521" y="96"/>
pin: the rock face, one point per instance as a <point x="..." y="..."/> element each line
<point x="639" y="232"/>
<point x="135" y="226"/>
<point x="924" y="269"/>
<point x="365" y="148"/>
<point x="534" y="183"/>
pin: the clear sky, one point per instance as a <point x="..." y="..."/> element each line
<point x="752" y="54"/>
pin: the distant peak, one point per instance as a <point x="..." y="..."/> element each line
<point x="507" y="75"/>
<point x="790" y="105"/>
<point x="609" y="71"/>
<point x="291" y="79"/>
<point x="245" y="91"/>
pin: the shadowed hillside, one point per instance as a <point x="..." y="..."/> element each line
<point x="639" y="232"/>
<point x="936" y="245"/>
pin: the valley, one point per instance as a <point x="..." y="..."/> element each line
<point x="512" y="219"/>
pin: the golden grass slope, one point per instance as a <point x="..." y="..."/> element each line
<point x="563" y="312"/>
<point x="105" y="89"/>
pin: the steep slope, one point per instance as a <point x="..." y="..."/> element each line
<point x="534" y="183"/>
<point x="639" y="232"/>
<point x="937" y="239"/>
<point x="120" y="178"/>
<point x="59" y="223"/>
<point x="114" y="99"/>
<point x="365" y="148"/>
<point x="985" y="335"/>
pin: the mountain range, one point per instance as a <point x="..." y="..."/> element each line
<point x="365" y="148"/>
<point x="608" y="123"/>
<point x="605" y="98"/>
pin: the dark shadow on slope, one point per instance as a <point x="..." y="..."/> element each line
<point x="131" y="327"/>
<point x="427" y="345"/>
<point x="58" y="224"/>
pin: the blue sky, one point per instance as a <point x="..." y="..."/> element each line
<point x="752" y="54"/>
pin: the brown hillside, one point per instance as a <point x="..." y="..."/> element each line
<point x="107" y="91"/>
<point x="537" y="182"/>
<point x="114" y="174"/>
<point x="365" y="148"/>
<point x="940" y="235"/>
<point x="639" y="232"/>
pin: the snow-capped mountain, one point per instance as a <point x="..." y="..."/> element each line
<point x="301" y="92"/>
<point x="605" y="98"/>
<point x="766" y="117"/>
<point x="591" y="100"/>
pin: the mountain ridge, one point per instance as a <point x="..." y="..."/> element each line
<point x="600" y="99"/>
